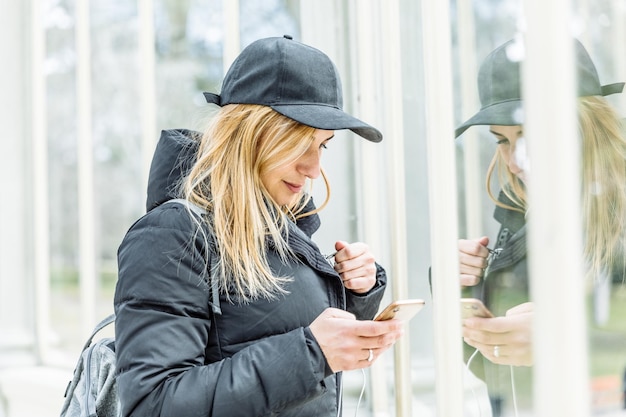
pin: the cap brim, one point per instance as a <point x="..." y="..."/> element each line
<point x="506" y="113"/>
<point x="614" y="88"/>
<point x="328" y="118"/>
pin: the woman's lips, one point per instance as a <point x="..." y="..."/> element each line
<point x="293" y="187"/>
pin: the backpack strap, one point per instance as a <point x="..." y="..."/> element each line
<point x="105" y="322"/>
<point x="215" y="294"/>
<point x="191" y="206"/>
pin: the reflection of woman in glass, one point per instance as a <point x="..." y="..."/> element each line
<point x="499" y="276"/>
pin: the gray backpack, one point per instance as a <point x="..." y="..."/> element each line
<point x="92" y="391"/>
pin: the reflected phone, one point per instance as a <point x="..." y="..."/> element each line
<point x="401" y="310"/>
<point x="473" y="307"/>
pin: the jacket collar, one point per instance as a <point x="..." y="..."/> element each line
<point x="511" y="219"/>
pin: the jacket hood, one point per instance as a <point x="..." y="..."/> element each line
<point x="174" y="156"/>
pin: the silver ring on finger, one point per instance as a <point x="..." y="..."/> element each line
<point x="370" y="357"/>
<point x="496" y="351"/>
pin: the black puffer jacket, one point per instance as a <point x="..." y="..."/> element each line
<point x="176" y="358"/>
<point x="505" y="285"/>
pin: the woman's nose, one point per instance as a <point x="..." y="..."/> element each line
<point x="309" y="164"/>
<point x="513" y="164"/>
<point x="518" y="161"/>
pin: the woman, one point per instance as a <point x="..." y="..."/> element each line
<point x="499" y="276"/>
<point x="285" y="323"/>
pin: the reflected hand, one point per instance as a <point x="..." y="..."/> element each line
<point x="473" y="256"/>
<point x="356" y="265"/>
<point x="346" y="342"/>
<point x="503" y="340"/>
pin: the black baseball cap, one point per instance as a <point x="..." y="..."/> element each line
<point x="499" y="85"/>
<point x="297" y="80"/>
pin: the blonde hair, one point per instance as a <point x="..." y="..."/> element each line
<point x="241" y="143"/>
<point x="603" y="190"/>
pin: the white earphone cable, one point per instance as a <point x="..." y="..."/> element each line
<point x="358" y="404"/>
<point x="467" y="369"/>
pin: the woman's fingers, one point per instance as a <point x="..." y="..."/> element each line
<point x="473" y="255"/>
<point x="346" y="342"/>
<point x="503" y="340"/>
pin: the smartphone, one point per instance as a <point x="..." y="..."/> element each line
<point x="401" y="310"/>
<point x="473" y="307"/>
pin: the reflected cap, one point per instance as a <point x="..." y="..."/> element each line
<point x="499" y="85"/>
<point x="296" y="80"/>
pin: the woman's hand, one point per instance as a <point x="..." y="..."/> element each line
<point x="347" y="342"/>
<point x="473" y="256"/>
<point x="503" y="340"/>
<point x="356" y="265"/>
